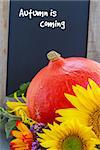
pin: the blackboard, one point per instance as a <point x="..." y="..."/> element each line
<point x="29" y="42"/>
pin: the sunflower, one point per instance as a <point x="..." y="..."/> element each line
<point x="68" y="136"/>
<point x="87" y="103"/>
<point x="24" y="137"/>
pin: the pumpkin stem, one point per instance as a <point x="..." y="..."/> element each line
<point x="53" y="55"/>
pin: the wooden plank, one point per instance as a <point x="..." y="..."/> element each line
<point x="4" y="13"/>
<point x="94" y="31"/>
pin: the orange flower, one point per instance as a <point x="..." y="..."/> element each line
<point x="24" y="137"/>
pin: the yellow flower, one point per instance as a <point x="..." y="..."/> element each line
<point x="20" y="109"/>
<point x="24" y="137"/>
<point x="16" y="106"/>
<point x="68" y="136"/>
<point x="87" y="102"/>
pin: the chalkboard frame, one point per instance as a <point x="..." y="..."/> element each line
<point x="40" y="68"/>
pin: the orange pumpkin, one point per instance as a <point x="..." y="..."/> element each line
<point x="46" y="90"/>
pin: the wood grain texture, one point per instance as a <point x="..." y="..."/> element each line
<point x="94" y="31"/>
<point x="4" y="12"/>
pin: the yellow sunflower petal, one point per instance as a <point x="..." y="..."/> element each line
<point x="68" y="114"/>
<point x="92" y="96"/>
<point x="96" y="93"/>
<point x="43" y="136"/>
<point x="49" y="143"/>
<point x="93" y="84"/>
<point x="61" y="119"/>
<point x="84" y="98"/>
<point x="75" y="102"/>
<point x="49" y="134"/>
<point x="95" y="88"/>
<point x="56" y="130"/>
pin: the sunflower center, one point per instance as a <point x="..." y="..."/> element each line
<point x="72" y="143"/>
<point x="94" y="121"/>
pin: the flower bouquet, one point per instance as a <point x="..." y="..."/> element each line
<point x="76" y="127"/>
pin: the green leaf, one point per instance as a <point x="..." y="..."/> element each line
<point x="9" y="126"/>
<point x="6" y="114"/>
<point x="8" y="121"/>
<point x="24" y="86"/>
<point x="5" y="117"/>
<point x="22" y="89"/>
<point x="3" y="120"/>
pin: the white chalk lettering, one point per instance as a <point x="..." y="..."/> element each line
<point x="21" y="13"/>
<point x="32" y="13"/>
<point x="53" y="13"/>
<point x="53" y="24"/>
